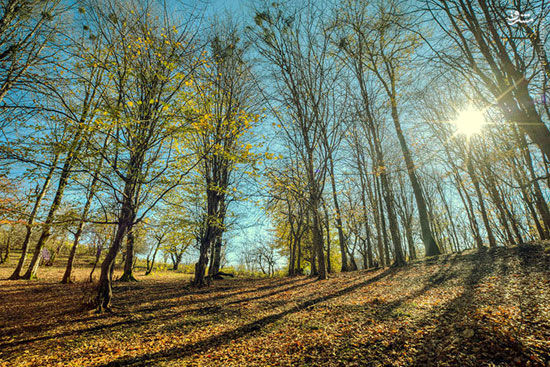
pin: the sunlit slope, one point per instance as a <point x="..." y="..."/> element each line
<point x="470" y="309"/>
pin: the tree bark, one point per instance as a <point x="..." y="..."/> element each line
<point x="128" y="274"/>
<point x="216" y="260"/>
<point x="104" y="289"/>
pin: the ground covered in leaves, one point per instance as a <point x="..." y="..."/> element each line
<point x="489" y="308"/>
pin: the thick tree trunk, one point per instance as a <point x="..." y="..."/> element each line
<point x="313" y="262"/>
<point x="216" y="260"/>
<point x="176" y="260"/>
<point x="215" y="211"/>
<point x="104" y="289"/>
<point x="314" y="203"/>
<point x="217" y="245"/>
<point x="125" y="222"/>
<point x="128" y="274"/>
<point x="200" y="266"/>
<point x="370" y="257"/>
<point x="353" y="263"/>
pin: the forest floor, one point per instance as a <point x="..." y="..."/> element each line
<point x="488" y="308"/>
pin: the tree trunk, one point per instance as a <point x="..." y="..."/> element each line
<point x="376" y="200"/>
<point x="429" y="243"/>
<point x="128" y="274"/>
<point x="353" y="263"/>
<point x="329" y="266"/>
<point x="97" y="256"/>
<point x="177" y="261"/>
<point x="399" y="259"/>
<point x="449" y="215"/>
<point x="299" y="258"/>
<point x="125" y="221"/>
<point x="291" y="252"/>
<point x="313" y="262"/>
<point x="314" y="202"/>
<point x="484" y="215"/>
<point x="78" y="234"/>
<point x="216" y="260"/>
<point x="47" y="226"/>
<point x="5" y="257"/>
<point x="104" y="289"/>
<point x="540" y="202"/>
<point x="410" y="242"/>
<point x="341" y="238"/>
<point x="200" y="266"/>
<point x="320" y="248"/>
<point x="24" y="247"/>
<point x="152" y="265"/>
<point x="499" y="204"/>
<point x="360" y="164"/>
<point x="53" y="256"/>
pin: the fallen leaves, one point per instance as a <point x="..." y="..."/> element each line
<point x="461" y="311"/>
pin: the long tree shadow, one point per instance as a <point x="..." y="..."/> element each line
<point x="181" y="291"/>
<point x="159" y="307"/>
<point x="240" y="332"/>
<point x="379" y="350"/>
<point x="188" y="290"/>
<point x="148" y="318"/>
<point x="446" y="272"/>
<point x="455" y="340"/>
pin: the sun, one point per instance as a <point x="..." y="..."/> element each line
<point x="470" y="121"/>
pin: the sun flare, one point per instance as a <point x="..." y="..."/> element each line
<point x="470" y="121"/>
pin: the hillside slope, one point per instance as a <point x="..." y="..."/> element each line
<point x="489" y="308"/>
